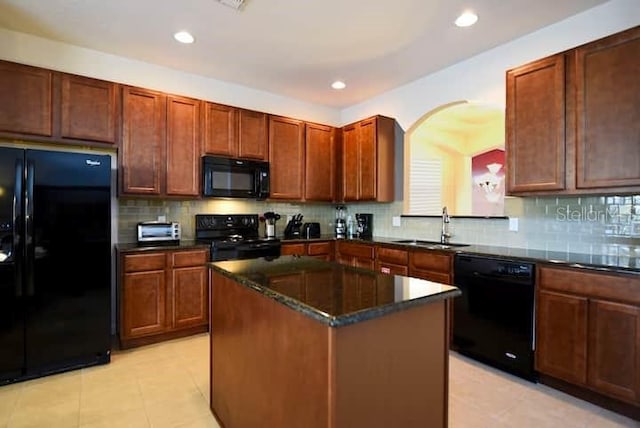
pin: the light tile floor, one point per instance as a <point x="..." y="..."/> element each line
<point x="167" y="385"/>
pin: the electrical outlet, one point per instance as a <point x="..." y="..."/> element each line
<point x="162" y="218"/>
<point x="513" y="224"/>
<point x="395" y="221"/>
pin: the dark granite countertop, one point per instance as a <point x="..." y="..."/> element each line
<point x="134" y="247"/>
<point x="331" y="293"/>
<point x="623" y="260"/>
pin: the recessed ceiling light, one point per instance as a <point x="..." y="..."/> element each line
<point x="183" y="37"/>
<point x="467" y="19"/>
<point x="338" y="84"/>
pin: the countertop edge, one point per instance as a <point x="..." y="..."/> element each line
<point x="341" y="320"/>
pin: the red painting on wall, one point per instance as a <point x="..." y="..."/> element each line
<point x="487" y="171"/>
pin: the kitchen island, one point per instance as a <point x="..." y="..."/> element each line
<point x="299" y="342"/>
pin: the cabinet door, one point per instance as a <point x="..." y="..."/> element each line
<point x="183" y="147"/>
<point x="320" y="159"/>
<point x="350" y="173"/>
<point x="286" y="157"/>
<point x="190" y="297"/>
<point x="143" y="304"/>
<point x="367" y="160"/>
<point x="535" y="124"/>
<point x="561" y="336"/>
<point x="26" y="99"/>
<point x="252" y="135"/>
<point x="614" y="349"/>
<point x="142" y="154"/>
<point x="607" y="112"/>
<point x="89" y="109"/>
<point x="221" y="130"/>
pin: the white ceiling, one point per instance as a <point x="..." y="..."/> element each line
<point x="294" y="48"/>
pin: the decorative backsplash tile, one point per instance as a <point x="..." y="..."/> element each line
<point x="588" y="224"/>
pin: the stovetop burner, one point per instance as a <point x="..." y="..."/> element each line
<point x="234" y="236"/>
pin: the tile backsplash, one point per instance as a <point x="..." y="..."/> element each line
<point x="587" y="224"/>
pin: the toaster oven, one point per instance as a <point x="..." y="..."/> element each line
<point x="161" y="232"/>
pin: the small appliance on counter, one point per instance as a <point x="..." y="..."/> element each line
<point x="158" y="233"/>
<point x="364" y="226"/>
<point x="341" y="222"/>
<point x="270" y="219"/>
<point x="292" y="230"/>
<point x="311" y="230"/>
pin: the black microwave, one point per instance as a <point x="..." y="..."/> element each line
<point x="234" y="178"/>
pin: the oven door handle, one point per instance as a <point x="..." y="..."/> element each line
<point x="260" y="245"/>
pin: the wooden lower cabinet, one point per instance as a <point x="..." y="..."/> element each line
<point x="614" y="349"/>
<point x="320" y="250"/>
<point x="392" y="261"/>
<point x="356" y="254"/>
<point x="431" y="265"/>
<point x="561" y="345"/>
<point x="588" y="331"/>
<point x="162" y="295"/>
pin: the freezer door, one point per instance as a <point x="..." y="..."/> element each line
<point x="68" y="289"/>
<point x="11" y="259"/>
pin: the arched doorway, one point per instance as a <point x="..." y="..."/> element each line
<point x="454" y="157"/>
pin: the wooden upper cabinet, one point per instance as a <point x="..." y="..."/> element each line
<point x="183" y="147"/>
<point x="220" y="130"/>
<point x="608" y="112"/>
<point x="368" y="160"/>
<point x="235" y="132"/>
<point x="26" y="99"/>
<point x="252" y="135"/>
<point x="89" y="109"/>
<point x="142" y="155"/>
<point x="367" y="156"/>
<point x="535" y="117"/>
<point x="286" y="157"/>
<point x="350" y="162"/>
<point x="320" y="163"/>
<point x="573" y="120"/>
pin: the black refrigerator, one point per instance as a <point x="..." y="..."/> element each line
<point x="55" y="262"/>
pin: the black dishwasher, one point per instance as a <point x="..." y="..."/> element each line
<point x="493" y="319"/>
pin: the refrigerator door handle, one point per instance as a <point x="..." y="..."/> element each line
<point x="29" y="232"/>
<point x="18" y="253"/>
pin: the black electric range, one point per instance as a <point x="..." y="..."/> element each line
<point x="234" y="236"/>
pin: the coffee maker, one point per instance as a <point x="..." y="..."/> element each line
<point x="364" y="225"/>
<point x="341" y="222"/>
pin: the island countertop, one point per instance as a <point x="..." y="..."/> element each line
<point x="334" y="294"/>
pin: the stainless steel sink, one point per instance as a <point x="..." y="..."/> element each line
<point x="429" y="244"/>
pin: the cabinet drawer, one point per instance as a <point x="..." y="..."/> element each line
<point x="431" y="260"/>
<point x="292" y="249"/>
<point x="144" y="262"/>
<point x="189" y="258"/>
<point x="392" y="268"/>
<point x="318" y="248"/>
<point x="357" y="250"/>
<point x="623" y="288"/>
<point x="393" y="255"/>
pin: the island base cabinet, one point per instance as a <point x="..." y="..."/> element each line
<point x="272" y="366"/>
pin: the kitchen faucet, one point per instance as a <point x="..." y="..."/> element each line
<point x="445" y="235"/>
